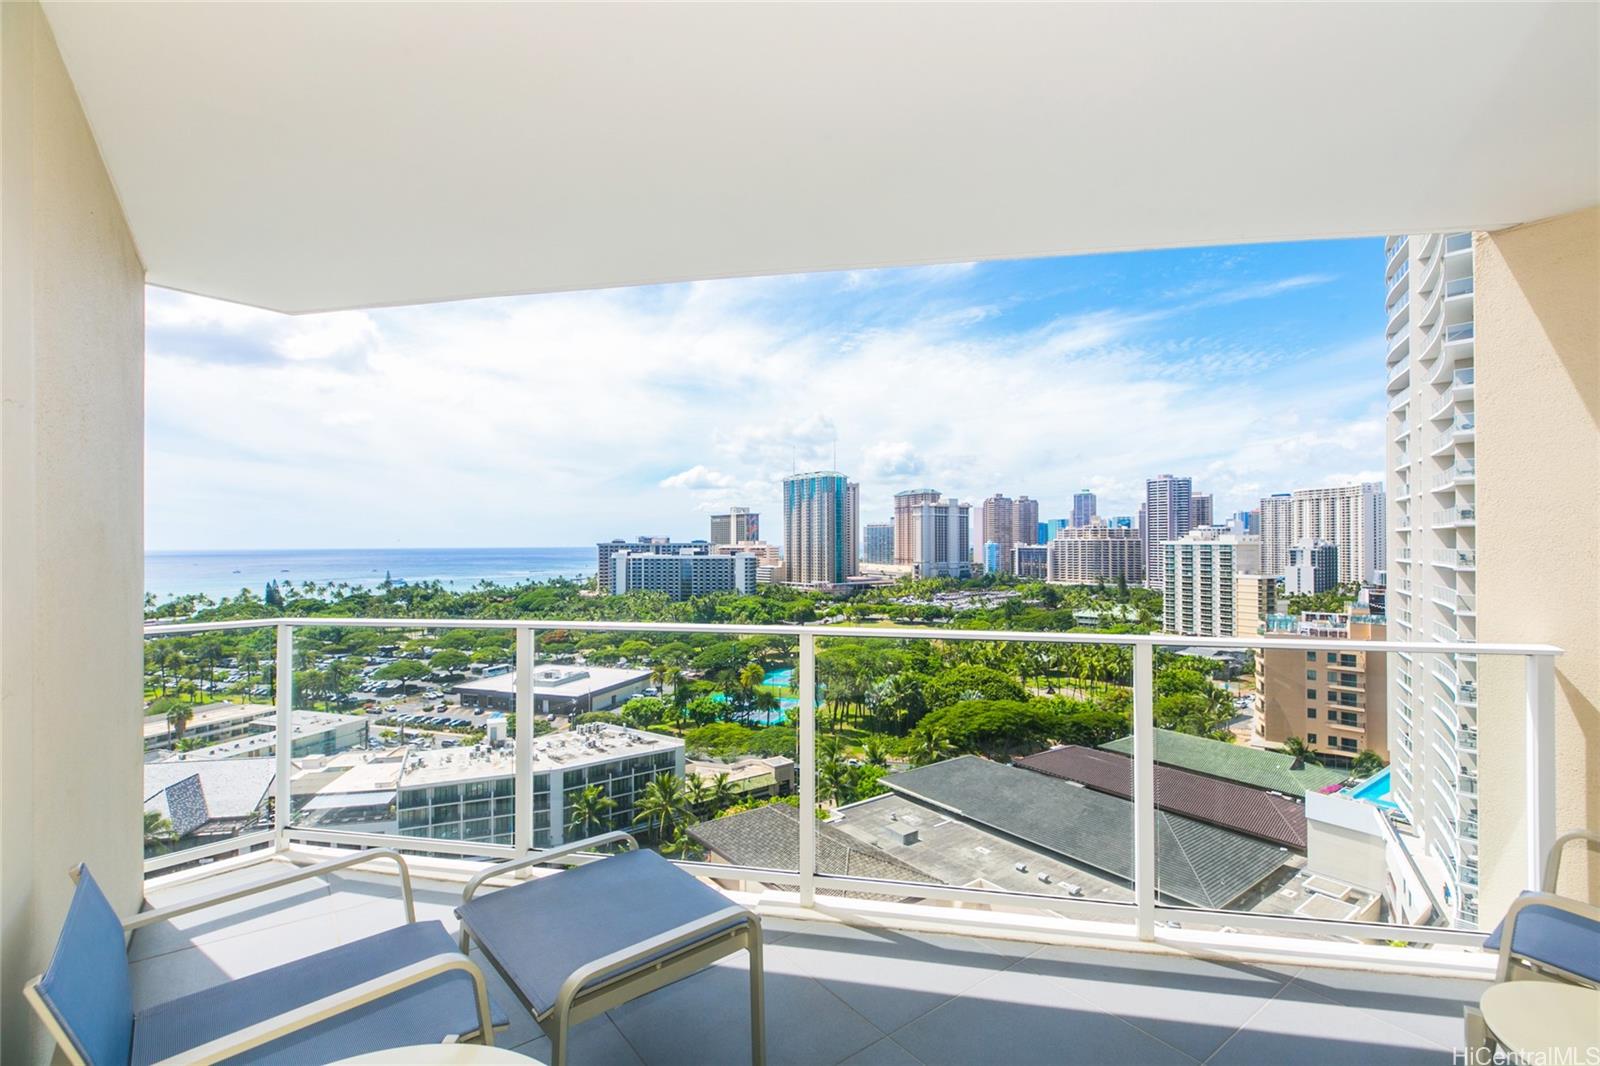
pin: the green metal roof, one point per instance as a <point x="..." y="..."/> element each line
<point x="1271" y="770"/>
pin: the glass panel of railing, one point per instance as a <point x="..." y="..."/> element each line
<point x="1460" y="331"/>
<point x="385" y="741"/>
<point x="720" y="715"/>
<point x="1458" y="242"/>
<point x="208" y="727"/>
<point x="1277" y="767"/>
<point x="993" y="766"/>
<point x="1458" y="286"/>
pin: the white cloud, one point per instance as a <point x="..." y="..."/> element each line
<point x="570" y="418"/>
<point x="699" y="478"/>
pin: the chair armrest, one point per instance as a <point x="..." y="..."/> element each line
<point x="264" y="1032"/>
<point x="1552" y="865"/>
<point x="161" y="914"/>
<point x="1508" y="928"/>
<point x="662" y="944"/>
<point x="538" y="858"/>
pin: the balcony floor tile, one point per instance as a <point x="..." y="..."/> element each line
<point x="876" y="997"/>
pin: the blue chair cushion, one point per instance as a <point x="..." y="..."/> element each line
<point x="1556" y="937"/>
<point x="540" y="931"/>
<point x="86" y="985"/>
<point x="422" y="1014"/>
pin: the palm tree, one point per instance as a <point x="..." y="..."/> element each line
<point x="664" y="804"/>
<point x="877" y="751"/>
<point x="157" y="831"/>
<point x="1293" y="745"/>
<point x="698" y="793"/>
<point x="178" y="717"/>
<point x="723" y="794"/>
<point x="591" y="811"/>
<point x="748" y="681"/>
<point x="929" y="745"/>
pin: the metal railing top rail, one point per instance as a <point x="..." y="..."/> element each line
<point x="1162" y="640"/>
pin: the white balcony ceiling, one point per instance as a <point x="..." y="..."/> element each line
<point x="314" y="156"/>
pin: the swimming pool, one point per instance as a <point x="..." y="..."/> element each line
<point x="781" y="678"/>
<point x="1377" y="790"/>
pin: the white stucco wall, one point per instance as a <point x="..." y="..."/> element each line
<point x="71" y="517"/>
<point x="1538" y="489"/>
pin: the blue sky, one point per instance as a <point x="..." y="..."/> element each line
<point x="569" y="418"/>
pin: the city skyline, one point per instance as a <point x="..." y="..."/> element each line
<point x="674" y="402"/>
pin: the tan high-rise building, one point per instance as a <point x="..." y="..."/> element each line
<point x="1336" y="701"/>
<point x="999" y="512"/>
<point x="1277" y="532"/>
<point x="941" y="539"/>
<point x="905" y="507"/>
<point x="1095" y="553"/>
<point x="1024" y="522"/>
<point x="1255" y="599"/>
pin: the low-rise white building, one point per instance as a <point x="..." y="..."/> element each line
<point x="1199" y="586"/>
<point x="557" y="689"/>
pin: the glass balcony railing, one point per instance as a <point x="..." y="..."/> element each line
<point x="1455" y="516"/>
<point x="1458" y="287"/>
<point x="1460" y="331"/>
<point x="1463" y="378"/>
<point x="1458" y="242"/>
<point x="1463" y="470"/>
<point x="480" y="739"/>
<point x="1459" y="558"/>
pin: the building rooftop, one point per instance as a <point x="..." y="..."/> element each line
<point x="552" y="680"/>
<point x="1199" y="864"/>
<point x="1271" y="770"/>
<point x="301" y="724"/>
<point x="1264" y="815"/>
<point x="768" y="838"/>
<point x="229" y="788"/>
<point x="744" y="774"/>
<point x="156" y="725"/>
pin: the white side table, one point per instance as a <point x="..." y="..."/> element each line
<point x="1545" y="1020"/>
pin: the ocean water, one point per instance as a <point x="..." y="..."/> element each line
<point x="218" y="573"/>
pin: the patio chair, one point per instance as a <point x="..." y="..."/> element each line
<point x="406" y="985"/>
<point x="576" y="943"/>
<point x="1547" y="935"/>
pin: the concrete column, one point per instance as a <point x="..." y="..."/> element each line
<point x="1537" y="399"/>
<point x="71" y="518"/>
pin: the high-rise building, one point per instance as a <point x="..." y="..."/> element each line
<point x="1200" y="572"/>
<point x="606" y="550"/>
<point x="1351" y="518"/>
<point x="1249" y="522"/>
<point x="1255" y="599"/>
<point x="1200" y="507"/>
<point x="1277" y="532"/>
<point x="1432" y="548"/>
<point x="1166" y="516"/>
<point x="941" y="539"/>
<point x="820" y="527"/>
<point x="680" y="576"/>
<point x="991" y="557"/>
<point x="1313" y="567"/>
<point x="1048" y="530"/>
<point x="877" y="542"/>
<point x="739" y="524"/>
<point x="1025" y="520"/>
<point x="1030" y="560"/>
<point x="905" y="503"/>
<point x="1336" y="701"/>
<point x="998" y="514"/>
<point x="1123" y="521"/>
<point x="1095" y="553"/>
<point x="1083" y="507"/>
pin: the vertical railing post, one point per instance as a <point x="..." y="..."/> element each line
<point x="807" y="682"/>
<point x="1144" y="789"/>
<point x="522" y="826"/>
<point x="283" y="675"/>
<point x="1540" y="744"/>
